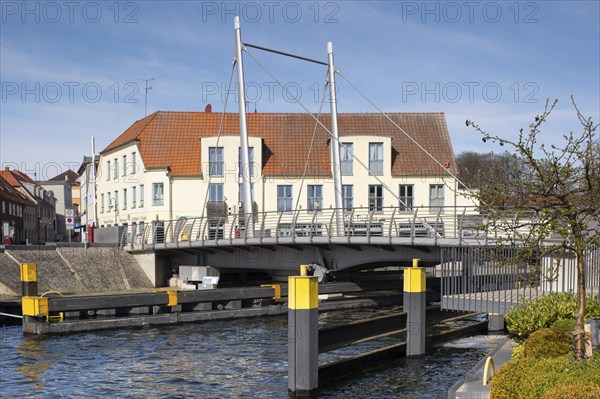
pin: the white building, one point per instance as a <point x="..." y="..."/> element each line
<point x="172" y="165"/>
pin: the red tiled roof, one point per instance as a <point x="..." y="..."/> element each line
<point x="15" y="178"/>
<point x="8" y="192"/>
<point x="173" y="139"/>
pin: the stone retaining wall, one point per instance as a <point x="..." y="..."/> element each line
<point x="74" y="270"/>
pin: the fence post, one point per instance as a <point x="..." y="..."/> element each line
<point x="32" y="305"/>
<point x="29" y="285"/>
<point x="414" y="306"/>
<point x="303" y="334"/>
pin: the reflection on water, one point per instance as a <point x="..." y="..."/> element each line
<point x="221" y="359"/>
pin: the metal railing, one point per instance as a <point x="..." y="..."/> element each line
<point x="492" y="279"/>
<point x="303" y="225"/>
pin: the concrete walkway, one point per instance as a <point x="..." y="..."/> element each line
<point x="471" y="387"/>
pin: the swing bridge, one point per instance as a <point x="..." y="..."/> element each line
<point x="449" y="239"/>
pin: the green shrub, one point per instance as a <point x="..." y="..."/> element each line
<point x="565" y="325"/>
<point x="547" y="342"/>
<point x="541" y="313"/>
<point x="506" y="382"/>
<point x="518" y="352"/>
<point x="577" y="390"/>
<point x="531" y="378"/>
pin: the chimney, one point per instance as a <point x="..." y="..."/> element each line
<point x="208" y="108"/>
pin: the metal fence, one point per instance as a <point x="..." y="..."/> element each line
<point x="493" y="279"/>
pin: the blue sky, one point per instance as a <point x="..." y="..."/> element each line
<point x="72" y="70"/>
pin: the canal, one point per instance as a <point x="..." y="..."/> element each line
<point x="244" y="358"/>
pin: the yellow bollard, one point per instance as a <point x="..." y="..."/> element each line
<point x="304" y="270"/>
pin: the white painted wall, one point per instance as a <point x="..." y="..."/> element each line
<point x="185" y="196"/>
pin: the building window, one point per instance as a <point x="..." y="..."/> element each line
<point x="436" y="198"/>
<point x="101" y="203"/>
<point x="348" y="196"/>
<point x="157" y="194"/>
<point x="346" y="151"/>
<point x="3" y="207"/>
<point x="215" y="161"/>
<point x="116" y="167"/>
<point x="124" y="165"/>
<point x="284" y="198"/>
<point x="133" y="163"/>
<point x="215" y="192"/>
<point x="107" y="170"/>
<point x="109" y="203"/>
<point x="250" y="160"/>
<point x="406" y="196"/>
<point x="241" y="191"/>
<point x="376" y="197"/>
<point x="124" y="198"/>
<point x="314" y="198"/>
<point x="141" y="195"/>
<point x="116" y="199"/>
<point x="133" y="196"/>
<point x="376" y="159"/>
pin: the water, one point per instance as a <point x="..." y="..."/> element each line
<point x="244" y="358"/>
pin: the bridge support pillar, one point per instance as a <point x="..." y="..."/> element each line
<point x="495" y="322"/>
<point x="414" y="306"/>
<point x="303" y="335"/>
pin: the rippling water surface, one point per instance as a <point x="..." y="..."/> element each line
<point x="222" y="359"/>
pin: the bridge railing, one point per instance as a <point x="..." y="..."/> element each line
<point x="438" y="222"/>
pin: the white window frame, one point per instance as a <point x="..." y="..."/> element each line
<point x="215" y="192"/>
<point x="436" y="201"/>
<point x="346" y="159"/>
<point x="133" y="163"/>
<point x="406" y="195"/>
<point x="285" y="197"/>
<point x="375" y="201"/>
<point x="314" y="195"/>
<point x="348" y="201"/>
<point x="141" y="195"/>
<point x="158" y="199"/>
<point x="376" y="159"/>
<point x="216" y="167"/>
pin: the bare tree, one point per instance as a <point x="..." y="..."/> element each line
<point x="552" y="203"/>
<point x="486" y="170"/>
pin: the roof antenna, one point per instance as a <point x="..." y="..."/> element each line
<point x="146" y="98"/>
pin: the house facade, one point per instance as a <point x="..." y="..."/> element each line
<point x="61" y="187"/>
<point x="12" y="214"/>
<point x="86" y="182"/>
<point x="40" y="208"/>
<point x="173" y="165"/>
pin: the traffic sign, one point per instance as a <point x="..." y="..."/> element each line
<point x="69" y="218"/>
